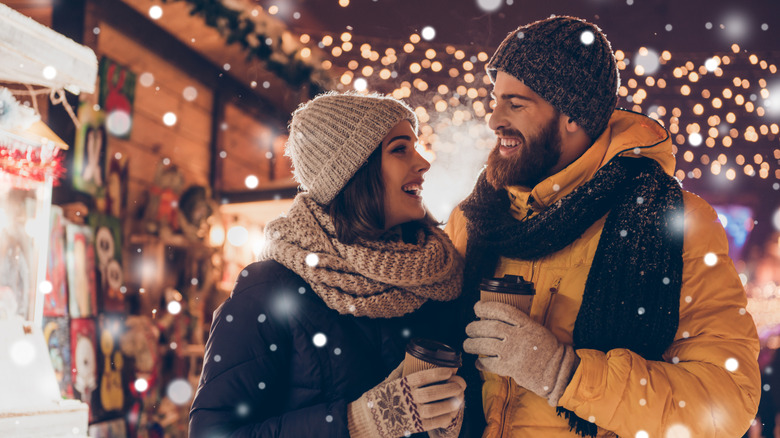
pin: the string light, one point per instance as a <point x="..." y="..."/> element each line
<point x="708" y="101"/>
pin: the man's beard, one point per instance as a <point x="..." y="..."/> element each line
<point x="531" y="164"/>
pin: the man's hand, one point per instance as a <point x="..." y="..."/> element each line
<point x="510" y="344"/>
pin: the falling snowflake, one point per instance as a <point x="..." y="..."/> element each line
<point x="312" y="259"/>
<point x="489" y="5"/>
<point x="587" y="37"/>
<point x="179" y="391"/>
<point x="428" y="33"/>
<point x="319" y="340"/>
<point x="677" y="431"/>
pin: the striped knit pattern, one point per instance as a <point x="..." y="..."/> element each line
<point x="579" y="79"/>
<point x="333" y="135"/>
<point x="374" y="278"/>
<point x="416" y="421"/>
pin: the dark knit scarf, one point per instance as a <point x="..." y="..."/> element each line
<point x="632" y="294"/>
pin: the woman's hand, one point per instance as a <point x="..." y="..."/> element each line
<point x="423" y="401"/>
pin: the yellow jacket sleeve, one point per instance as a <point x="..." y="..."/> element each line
<point x="456" y="230"/>
<point x="708" y="384"/>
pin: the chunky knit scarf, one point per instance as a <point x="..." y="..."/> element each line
<point x="381" y="278"/>
<point x="632" y="294"/>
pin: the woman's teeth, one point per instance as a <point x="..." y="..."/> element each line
<point x="412" y="189"/>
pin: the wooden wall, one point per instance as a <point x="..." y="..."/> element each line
<point x="186" y="144"/>
<point x="251" y="147"/>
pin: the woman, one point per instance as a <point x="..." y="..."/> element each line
<point x="310" y="341"/>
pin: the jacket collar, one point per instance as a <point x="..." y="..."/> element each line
<point x="627" y="134"/>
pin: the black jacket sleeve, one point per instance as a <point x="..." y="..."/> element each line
<point x="244" y="387"/>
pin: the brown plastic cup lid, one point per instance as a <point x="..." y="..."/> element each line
<point x="428" y="350"/>
<point x="509" y="284"/>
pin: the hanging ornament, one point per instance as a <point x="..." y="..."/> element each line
<point x="29" y="150"/>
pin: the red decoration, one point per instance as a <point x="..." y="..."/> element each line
<point x="32" y="163"/>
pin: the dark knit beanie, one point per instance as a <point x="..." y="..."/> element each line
<point x="569" y="63"/>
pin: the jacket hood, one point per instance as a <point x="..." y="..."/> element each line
<point x="627" y="134"/>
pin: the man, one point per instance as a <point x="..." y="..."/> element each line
<point x="638" y="327"/>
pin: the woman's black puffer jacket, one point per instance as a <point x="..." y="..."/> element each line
<point x="280" y="363"/>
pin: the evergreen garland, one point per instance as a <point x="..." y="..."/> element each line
<point x="256" y="36"/>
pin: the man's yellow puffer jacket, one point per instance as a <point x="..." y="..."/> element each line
<point x="708" y="384"/>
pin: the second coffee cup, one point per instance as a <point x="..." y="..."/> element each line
<point x="423" y="354"/>
<point x="510" y="289"/>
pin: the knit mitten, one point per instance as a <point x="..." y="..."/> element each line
<point x="451" y="431"/>
<point x="422" y="401"/>
<point x="511" y="344"/>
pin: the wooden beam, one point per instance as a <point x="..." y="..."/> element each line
<point x="257" y="195"/>
<point x="134" y="25"/>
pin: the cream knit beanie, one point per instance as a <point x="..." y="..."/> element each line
<point x="332" y="136"/>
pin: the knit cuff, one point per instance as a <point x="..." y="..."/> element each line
<point x="569" y="366"/>
<point x="451" y="431"/>
<point x="359" y="421"/>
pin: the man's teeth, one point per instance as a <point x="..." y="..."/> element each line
<point x="509" y="142"/>
<point x="413" y="189"/>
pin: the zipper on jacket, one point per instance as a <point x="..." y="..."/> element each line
<point x="502" y="425"/>
<point x="553" y="291"/>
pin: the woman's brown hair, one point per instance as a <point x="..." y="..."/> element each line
<point x="358" y="210"/>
